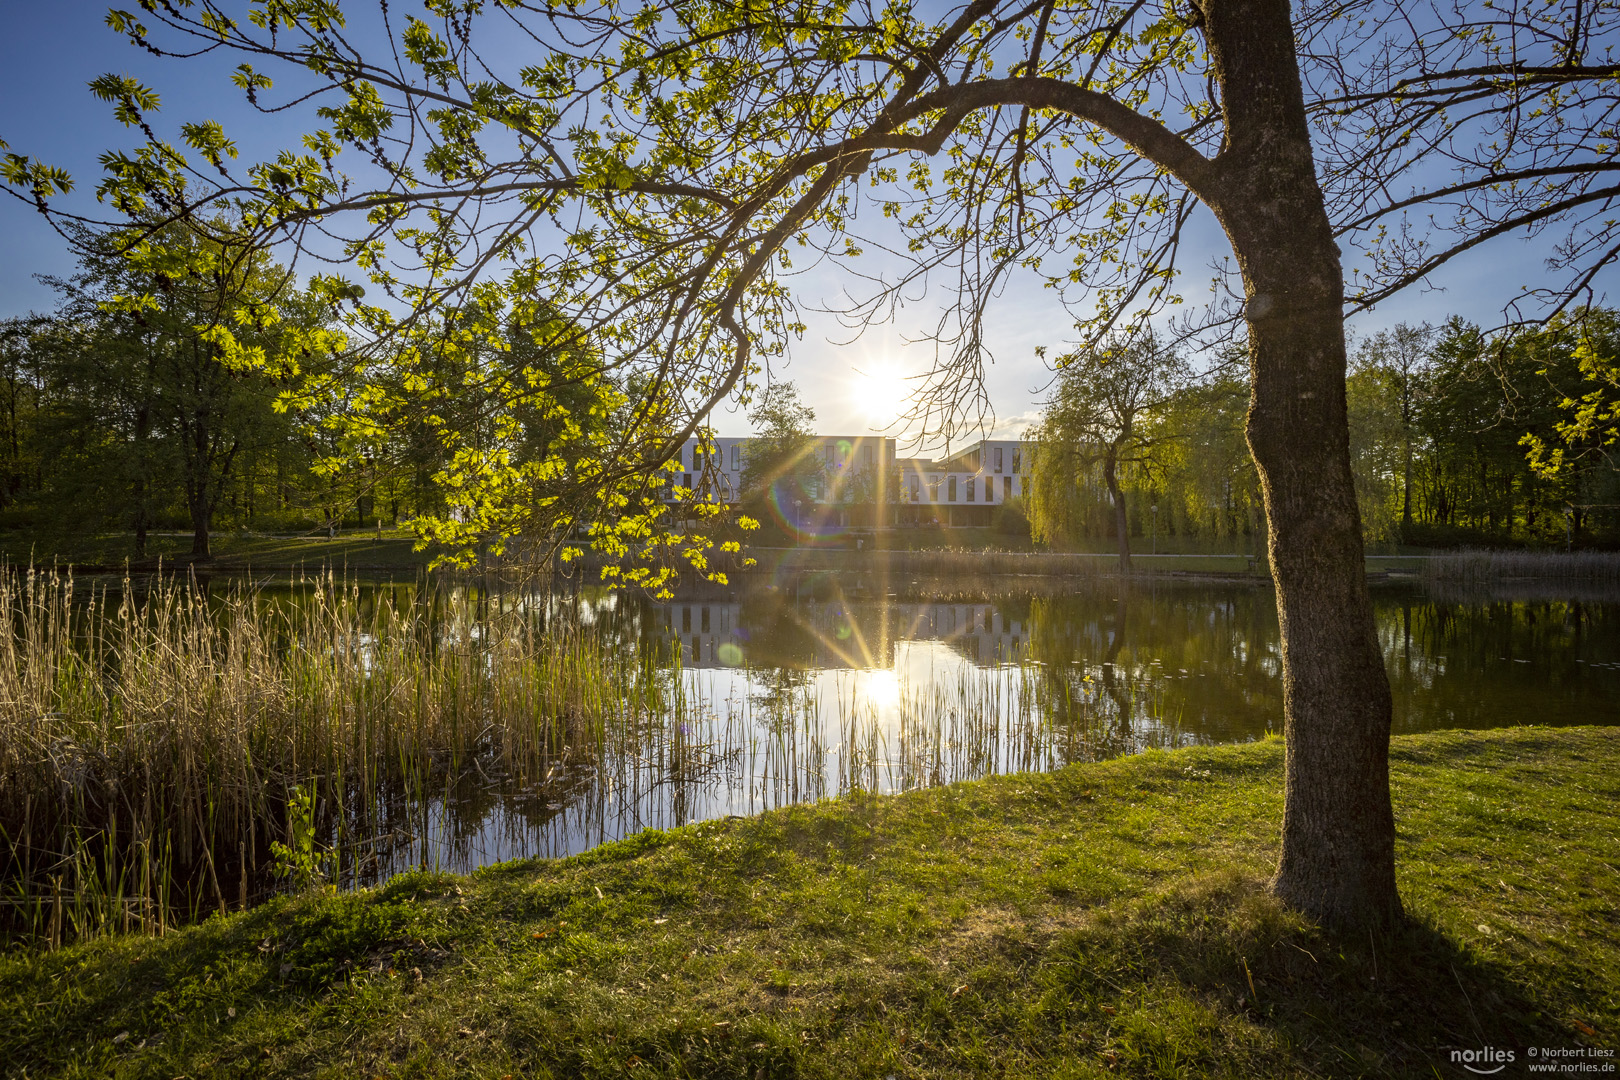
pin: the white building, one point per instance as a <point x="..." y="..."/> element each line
<point x="964" y="488"/>
<point x="859" y="471"/>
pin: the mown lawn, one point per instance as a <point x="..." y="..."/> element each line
<point x="1106" y="920"/>
<point x="354" y="550"/>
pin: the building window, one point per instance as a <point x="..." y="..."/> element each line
<point x="933" y="489"/>
<point x="998" y="458"/>
<point x="950" y="489"/>
<point x="1006" y="488"/>
<point x="970" y="486"/>
<point x="916" y="489"/>
<point x="736" y="456"/>
<point x="1018" y="460"/>
<point x="686" y="480"/>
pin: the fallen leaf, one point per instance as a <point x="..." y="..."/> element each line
<point x="1584" y="1029"/>
<point x="120" y="1037"/>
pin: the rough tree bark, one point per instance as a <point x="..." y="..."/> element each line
<point x="1338" y="849"/>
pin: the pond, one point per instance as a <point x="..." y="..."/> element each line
<point x="798" y="688"/>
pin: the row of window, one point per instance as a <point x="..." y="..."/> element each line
<point x="832" y="453"/>
<point x="837" y="453"/>
<point x="698" y="455"/>
<point x="970" y="489"/>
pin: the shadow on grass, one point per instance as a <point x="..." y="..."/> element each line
<point x="1219" y="973"/>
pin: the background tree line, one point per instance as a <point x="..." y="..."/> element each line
<point x="1457" y="437"/>
<point x="132" y="417"/>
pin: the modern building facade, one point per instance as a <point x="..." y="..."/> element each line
<point x="862" y="482"/>
<point x="964" y="488"/>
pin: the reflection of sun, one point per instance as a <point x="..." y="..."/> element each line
<point x="883" y="688"/>
<point x="882" y="392"/>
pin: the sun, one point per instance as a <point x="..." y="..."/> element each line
<point x="881" y="392"/>
<point x="883" y="688"/>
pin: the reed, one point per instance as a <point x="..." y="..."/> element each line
<point x="150" y="741"/>
<point x="1485" y="567"/>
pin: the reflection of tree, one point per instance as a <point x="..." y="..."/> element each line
<point x="779" y="693"/>
<point x="1119" y="694"/>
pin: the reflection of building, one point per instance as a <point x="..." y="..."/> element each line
<point x="821" y="635"/>
<point x="861" y="471"/>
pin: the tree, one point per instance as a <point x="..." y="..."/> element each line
<point x="1100" y="416"/>
<point x="1209" y="482"/>
<point x="780" y="466"/>
<point x="1585" y="438"/>
<point x="1396" y="362"/>
<point x="148" y="396"/>
<point x="675" y="154"/>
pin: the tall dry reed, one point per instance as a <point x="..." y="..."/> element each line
<point x="150" y="740"/>
<point x="1483" y="568"/>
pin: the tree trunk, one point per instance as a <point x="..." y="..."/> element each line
<point x="1338" y="844"/>
<point x="1121" y="524"/>
<point x="1406" y="493"/>
<point x="198" y="502"/>
<point x="198" y="505"/>
<point x="142" y="468"/>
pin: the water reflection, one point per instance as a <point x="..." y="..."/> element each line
<point x="789" y="691"/>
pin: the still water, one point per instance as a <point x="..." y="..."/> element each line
<point x="796" y="689"/>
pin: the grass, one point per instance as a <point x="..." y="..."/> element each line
<point x="1103" y="920"/>
<point x="355" y="550"/>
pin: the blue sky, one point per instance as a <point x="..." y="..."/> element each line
<point x="50" y="51"/>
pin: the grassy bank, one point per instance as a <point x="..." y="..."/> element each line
<point x="363" y="550"/>
<point x="1108" y="919"/>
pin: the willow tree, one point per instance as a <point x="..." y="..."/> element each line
<point x="647" y="168"/>
<point x="1103" y="415"/>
